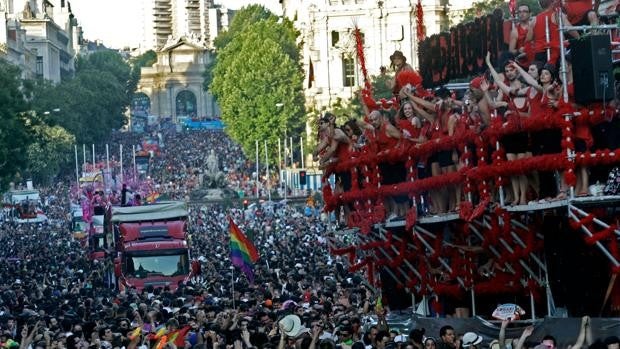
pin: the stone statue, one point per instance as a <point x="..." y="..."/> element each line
<point x="213" y="177"/>
<point x="27" y="12"/>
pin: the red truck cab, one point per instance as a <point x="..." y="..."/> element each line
<point x="151" y="245"/>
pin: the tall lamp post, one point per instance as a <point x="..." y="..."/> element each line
<point x="282" y="178"/>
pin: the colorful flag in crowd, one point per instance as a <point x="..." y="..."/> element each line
<point x="243" y="253"/>
<point x="152" y="197"/>
<point x="160" y="331"/>
<point x="178" y="337"/>
<point x="135" y="333"/>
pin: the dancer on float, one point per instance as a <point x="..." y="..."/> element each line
<point x="480" y="103"/>
<point x="411" y="127"/>
<point x="518" y="45"/>
<point x="512" y="92"/>
<point x="544" y="25"/>
<point x="399" y="64"/>
<point x="336" y="149"/>
<point x="358" y="144"/>
<point x="581" y="12"/>
<point x="461" y="120"/>
<point x="544" y="97"/>
<point x="386" y="138"/>
<point x="584" y="140"/>
<point x="437" y="113"/>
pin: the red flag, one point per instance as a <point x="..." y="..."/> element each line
<point x="178" y="336"/>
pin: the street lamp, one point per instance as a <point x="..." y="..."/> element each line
<point x="282" y="183"/>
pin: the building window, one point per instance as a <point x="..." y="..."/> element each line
<point x="348" y="71"/>
<point x="335" y="38"/>
<point x="39" y="66"/>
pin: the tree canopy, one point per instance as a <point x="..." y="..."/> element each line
<point x="146" y="59"/>
<point x="257" y="80"/>
<point x="242" y="19"/>
<point x="14" y="134"/>
<point x="50" y="151"/>
<point x="92" y="103"/>
<point x="41" y="121"/>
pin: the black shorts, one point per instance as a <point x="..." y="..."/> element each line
<point x="516" y="143"/>
<point x="445" y="158"/>
<point x="549" y="141"/>
<point x="344" y="179"/>
<point x="392" y="173"/>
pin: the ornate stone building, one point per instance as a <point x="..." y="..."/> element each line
<point x="173" y="86"/>
<point x="40" y="36"/>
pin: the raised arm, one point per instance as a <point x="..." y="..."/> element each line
<point x="502" y="334"/>
<point x="581" y="338"/>
<point x="491" y="103"/>
<point x="530" y="30"/>
<point x="498" y="80"/>
<point x="526" y="333"/>
<point x="364" y="125"/>
<point x="421" y="101"/>
<point x="423" y="113"/>
<point x="527" y="77"/>
<point x="512" y="44"/>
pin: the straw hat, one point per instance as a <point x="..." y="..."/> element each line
<point x="291" y="325"/>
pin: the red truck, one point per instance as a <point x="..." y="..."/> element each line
<point x="151" y="245"/>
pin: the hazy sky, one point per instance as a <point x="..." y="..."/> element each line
<point x="118" y="23"/>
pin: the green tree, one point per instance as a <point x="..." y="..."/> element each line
<point x="109" y="61"/>
<point x="50" y="151"/>
<point x="258" y="84"/>
<point x="245" y="18"/>
<point x="93" y="102"/>
<point x="14" y="128"/>
<point x="242" y="19"/>
<point x="146" y="59"/>
<point x="485" y="7"/>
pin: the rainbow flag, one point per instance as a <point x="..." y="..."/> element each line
<point x="243" y="253"/>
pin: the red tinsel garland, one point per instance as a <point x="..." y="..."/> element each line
<point x="359" y="43"/>
<point x="420" y="28"/>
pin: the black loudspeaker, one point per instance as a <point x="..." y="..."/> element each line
<point x="592" y="69"/>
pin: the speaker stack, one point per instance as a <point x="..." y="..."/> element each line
<point x="592" y="69"/>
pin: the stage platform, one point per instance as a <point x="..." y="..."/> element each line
<point x="582" y="201"/>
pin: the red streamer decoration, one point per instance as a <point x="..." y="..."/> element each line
<point x="420" y="28"/>
<point x="359" y="43"/>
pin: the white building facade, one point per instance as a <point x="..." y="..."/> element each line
<point x="329" y="47"/>
<point x="40" y="37"/>
<point x="173" y="86"/>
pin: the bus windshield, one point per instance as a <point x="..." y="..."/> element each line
<point x="80" y="225"/>
<point x="157" y="263"/>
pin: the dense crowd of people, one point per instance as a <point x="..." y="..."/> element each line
<point x="182" y="161"/>
<point x="52" y="296"/>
